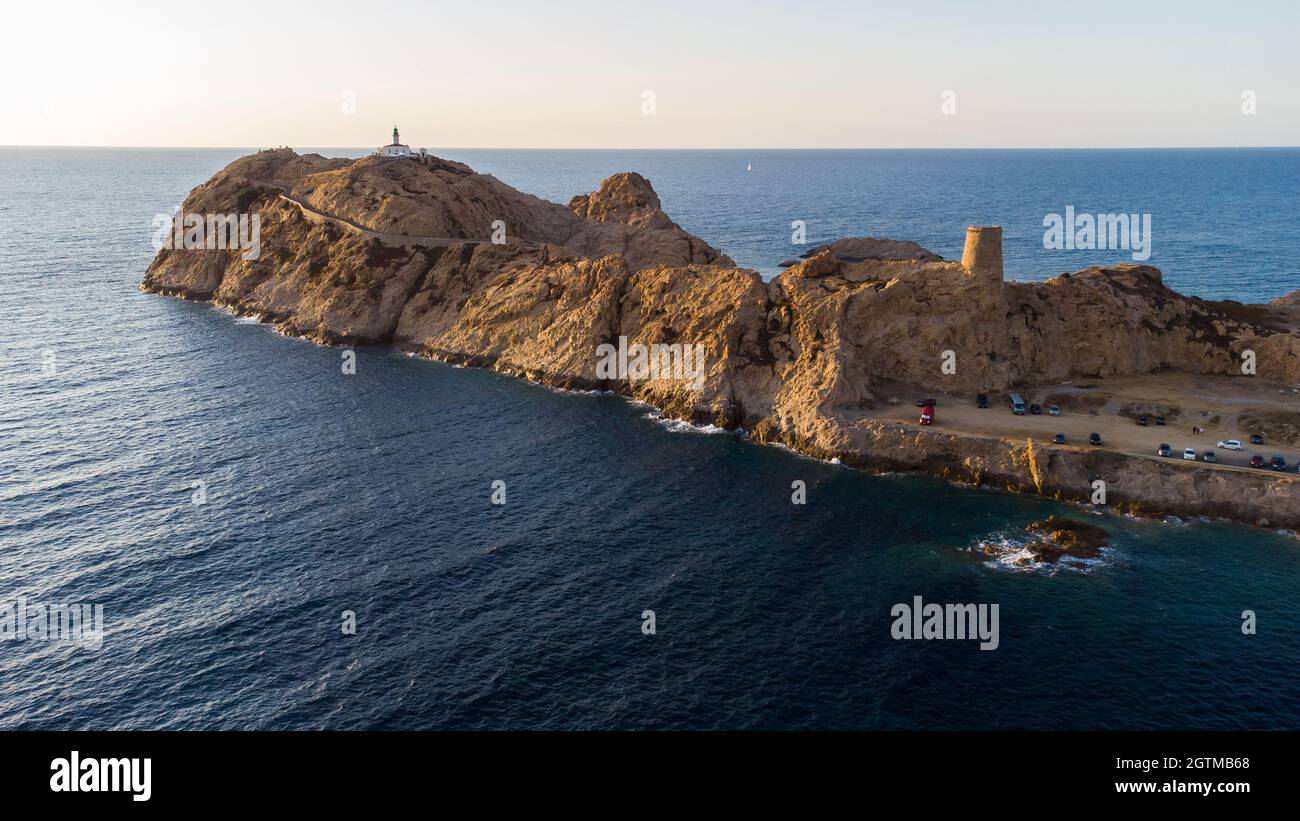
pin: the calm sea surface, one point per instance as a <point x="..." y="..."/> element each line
<point x="370" y="493"/>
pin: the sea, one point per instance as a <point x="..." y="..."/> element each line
<point x="274" y="544"/>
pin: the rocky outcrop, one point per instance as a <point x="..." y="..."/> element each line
<point x="625" y="197"/>
<point x="349" y="278"/>
<point x="401" y="251"/>
<point x="1057" y="538"/>
<point x="861" y="249"/>
<point x="1290" y="299"/>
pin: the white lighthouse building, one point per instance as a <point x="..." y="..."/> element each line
<point x="397" y="149"/>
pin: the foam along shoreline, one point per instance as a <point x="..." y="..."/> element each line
<point x="810" y="360"/>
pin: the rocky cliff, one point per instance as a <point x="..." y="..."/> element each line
<point x="402" y="251"/>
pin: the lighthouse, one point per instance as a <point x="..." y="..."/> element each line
<point x="397" y="149"/>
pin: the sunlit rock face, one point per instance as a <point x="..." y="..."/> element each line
<point x="428" y="255"/>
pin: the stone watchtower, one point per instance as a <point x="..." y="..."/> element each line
<point x="982" y="256"/>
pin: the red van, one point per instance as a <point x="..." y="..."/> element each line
<point x="927" y="415"/>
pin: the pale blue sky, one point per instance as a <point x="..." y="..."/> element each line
<point x="723" y="74"/>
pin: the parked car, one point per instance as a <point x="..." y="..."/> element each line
<point x="1278" y="463"/>
<point x="1164" y="450"/>
<point x="925" y="403"/>
<point x="1189" y="454"/>
<point x="1017" y="404"/>
<point x="1142" y="420"/>
<point x="927" y="415"/>
<point x="1036" y="410"/>
<point x="1058" y="439"/>
<point x="1257" y="461"/>
<point x="1256" y="439"/>
<point x="1229" y="444"/>
<point x="981" y="400"/>
<point x="1160" y="420"/>
<point x="1210" y="457"/>
<point x="1094" y="438"/>
<point x="1053" y="410"/>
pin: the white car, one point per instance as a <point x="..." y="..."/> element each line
<point x="1229" y="444"/>
<point x="1190" y="454"/>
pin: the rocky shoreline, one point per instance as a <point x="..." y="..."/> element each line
<point x="807" y="360"/>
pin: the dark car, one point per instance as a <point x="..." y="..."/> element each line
<point x="1036" y="410"/>
<point x="925" y="403"/>
<point x="1142" y="420"/>
<point x="1256" y="439"/>
<point x="1257" y="461"/>
<point x="1059" y="439"/>
<point x="1210" y="457"/>
<point x="1094" y="438"/>
<point x="1160" y="420"/>
<point x="981" y="400"/>
<point x="1278" y="463"/>
<point x="1164" y="449"/>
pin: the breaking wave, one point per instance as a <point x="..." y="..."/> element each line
<point x="678" y="426"/>
<point x="1003" y="551"/>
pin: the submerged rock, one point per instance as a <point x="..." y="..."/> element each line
<point x="1066" y="538"/>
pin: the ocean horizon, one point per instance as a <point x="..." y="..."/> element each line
<point x="1208" y="245"/>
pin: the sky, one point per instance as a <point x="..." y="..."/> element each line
<point x="651" y="74"/>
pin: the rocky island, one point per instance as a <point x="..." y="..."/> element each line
<point x="429" y="256"/>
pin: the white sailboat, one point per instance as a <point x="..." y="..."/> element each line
<point x="749" y="166"/>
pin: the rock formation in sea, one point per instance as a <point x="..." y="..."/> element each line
<point x="402" y="252"/>
<point x="1058" y="537"/>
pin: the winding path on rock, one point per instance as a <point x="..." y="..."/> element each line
<point x="316" y="215"/>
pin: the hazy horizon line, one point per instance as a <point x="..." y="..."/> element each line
<point x="712" y="148"/>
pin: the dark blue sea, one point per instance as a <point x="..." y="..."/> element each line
<point x="370" y="493"/>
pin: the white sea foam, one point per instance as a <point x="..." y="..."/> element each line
<point x="555" y="389"/>
<point x="801" y="454"/>
<point x="678" y="426"/>
<point x="576" y="391"/>
<point x="240" y="319"/>
<point x="1011" y="553"/>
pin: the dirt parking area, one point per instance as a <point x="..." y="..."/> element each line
<point x="1222" y="407"/>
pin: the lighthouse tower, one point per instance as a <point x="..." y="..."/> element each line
<point x="396" y="148"/>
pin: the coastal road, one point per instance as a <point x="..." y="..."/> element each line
<point x="1119" y="433"/>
